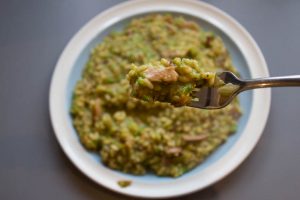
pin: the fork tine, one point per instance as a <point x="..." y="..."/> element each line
<point x="196" y="93"/>
<point x="194" y="104"/>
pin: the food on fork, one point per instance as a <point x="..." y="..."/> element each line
<point x="172" y="81"/>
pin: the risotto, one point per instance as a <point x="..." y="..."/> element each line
<point x="135" y="136"/>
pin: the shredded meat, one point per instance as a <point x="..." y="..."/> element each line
<point x="174" y="150"/>
<point x="96" y="110"/>
<point x="194" y="138"/>
<point x="235" y="113"/>
<point x="167" y="74"/>
<point x="189" y="25"/>
<point x="208" y="41"/>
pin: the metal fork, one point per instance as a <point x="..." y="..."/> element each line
<point x="212" y="98"/>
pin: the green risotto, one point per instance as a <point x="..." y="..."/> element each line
<point x="135" y="136"/>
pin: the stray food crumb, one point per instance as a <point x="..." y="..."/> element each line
<point x="124" y="183"/>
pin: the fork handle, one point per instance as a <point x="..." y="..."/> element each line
<point x="281" y="81"/>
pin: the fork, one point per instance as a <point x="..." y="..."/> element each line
<point x="213" y="98"/>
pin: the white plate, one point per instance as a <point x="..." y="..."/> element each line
<point x="246" y="55"/>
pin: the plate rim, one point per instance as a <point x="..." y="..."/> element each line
<point x="219" y="19"/>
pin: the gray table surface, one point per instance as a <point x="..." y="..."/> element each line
<point x="33" y="33"/>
